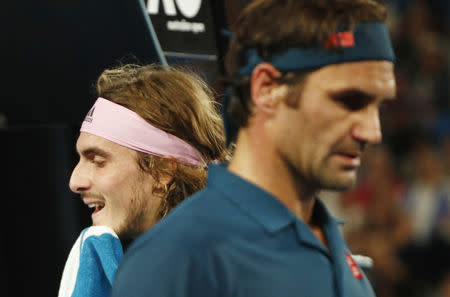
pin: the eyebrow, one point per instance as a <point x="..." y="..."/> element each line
<point x="352" y="92"/>
<point x="357" y="93"/>
<point x="94" y="151"/>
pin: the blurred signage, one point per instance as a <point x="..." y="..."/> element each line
<point x="185" y="28"/>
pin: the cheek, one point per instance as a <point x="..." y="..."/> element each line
<point x="323" y="133"/>
<point x="328" y="123"/>
<point x="120" y="187"/>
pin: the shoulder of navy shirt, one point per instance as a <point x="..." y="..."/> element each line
<point x="235" y="239"/>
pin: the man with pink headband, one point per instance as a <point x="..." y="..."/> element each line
<point x="307" y="78"/>
<point x="144" y="147"/>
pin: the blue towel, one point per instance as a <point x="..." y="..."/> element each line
<point x="92" y="263"/>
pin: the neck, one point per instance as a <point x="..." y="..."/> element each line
<point x="258" y="162"/>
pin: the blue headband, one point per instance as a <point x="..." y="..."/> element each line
<point x="368" y="42"/>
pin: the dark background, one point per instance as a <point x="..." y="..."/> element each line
<point x="53" y="51"/>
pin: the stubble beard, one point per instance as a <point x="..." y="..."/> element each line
<point x="329" y="178"/>
<point x="323" y="177"/>
<point x="137" y="214"/>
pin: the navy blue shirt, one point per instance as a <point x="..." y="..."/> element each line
<point x="235" y="239"/>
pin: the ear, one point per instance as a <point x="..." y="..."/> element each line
<point x="172" y="166"/>
<point x="266" y="92"/>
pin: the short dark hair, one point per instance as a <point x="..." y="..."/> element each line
<point x="273" y="26"/>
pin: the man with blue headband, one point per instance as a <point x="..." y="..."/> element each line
<point x="307" y="79"/>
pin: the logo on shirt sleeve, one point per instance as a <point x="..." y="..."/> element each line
<point x="353" y="267"/>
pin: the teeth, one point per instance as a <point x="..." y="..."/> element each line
<point x="94" y="205"/>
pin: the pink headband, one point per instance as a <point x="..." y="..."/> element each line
<point x="125" y="127"/>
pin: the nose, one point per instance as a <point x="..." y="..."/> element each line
<point x="79" y="181"/>
<point x="368" y="128"/>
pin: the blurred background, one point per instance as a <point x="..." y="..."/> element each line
<point x="398" y="214"/>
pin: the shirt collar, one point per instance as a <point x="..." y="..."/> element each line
<point x="257" y="203"/>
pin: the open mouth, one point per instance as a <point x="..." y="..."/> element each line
<point x="98" y="206"/>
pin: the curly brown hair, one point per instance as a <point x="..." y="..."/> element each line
<point x="178" y="102"/>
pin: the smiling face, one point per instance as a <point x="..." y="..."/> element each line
<point x="322" y="138"/>
<point x="110" y="182"/>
